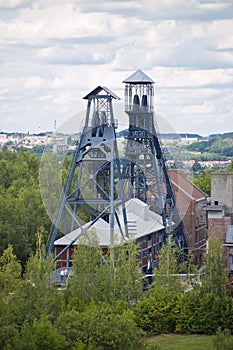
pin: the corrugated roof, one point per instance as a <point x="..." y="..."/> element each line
<point x="98" y="89"/>
<point x="138" y="77"/>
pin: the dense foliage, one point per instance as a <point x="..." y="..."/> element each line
<point x="220" y="146"/>
<point x="223" y="340"/>
<point x="22" y="212"/>
<point x="103" y="305"/>
<point x="98" y="311"/>
<point x="35" y="314"/>
<point x="30" y="189"/>
<point x="203" y="181"/>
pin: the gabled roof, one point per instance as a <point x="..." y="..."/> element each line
<point x="98" y="89"/>
<point x="143" y="222"/>
<point x="138" y="77"/>
<point x="100" y="227"/>
<point x="178" y="179"/>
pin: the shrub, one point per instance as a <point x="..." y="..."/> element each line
<point x="97" y="327"/>
<point x="203" y="313"/>
<point x="223" y="340"/>
<point x="155" y="314"/>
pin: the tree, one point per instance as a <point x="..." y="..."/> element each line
<point x="196" y="168"/>
<point x="39" y="293"/>
<point x="223" y="340"/>
<point x="167" y="274"/>
<point x="41" y="335"/>
<point x="10" y="274"/>
<point x="223" y="146"/>
<point x="230" y="168"/>
<point x="50" y="179"/>
<point x="21" y="208"/>
<point x="97" y="277"/>
<point x="155" y="313"/>
<point x="214" y="275"/>
<point x="98" y="327"/>
<point x="127" y="283"/>
<point x="202" y="312"/>
<point x="203" y="182"/>
<point x="10" y="280"/>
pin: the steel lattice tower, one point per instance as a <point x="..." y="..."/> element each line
<point x="94" y="181"/>
<point x="102" y="183"/>
<point x="144" y="169"/>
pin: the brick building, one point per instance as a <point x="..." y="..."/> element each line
<point x="145" y="226"/>
<point x="220" y="214"/>
<point x="190" y="201"/>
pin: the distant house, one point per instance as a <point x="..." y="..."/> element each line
<point x="3" y="139"/>
<point x="190" y="201"/>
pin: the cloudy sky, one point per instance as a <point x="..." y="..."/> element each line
<point x="54" y="52"/>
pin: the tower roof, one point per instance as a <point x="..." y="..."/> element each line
<point x="101" y="88"/>
<point x="138" y="77"/>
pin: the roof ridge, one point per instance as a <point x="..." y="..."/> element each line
<point x="138" y="77"/>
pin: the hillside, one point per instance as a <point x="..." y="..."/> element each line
<point x="223" y="146"/>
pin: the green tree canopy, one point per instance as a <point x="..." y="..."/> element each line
<point x="203" y="181"/>
<point x="99" y="278"/>
<point x="214" y="275"/>
<point x="21" y="209"/>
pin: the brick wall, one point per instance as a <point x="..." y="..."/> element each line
<point x="218" y="227"/>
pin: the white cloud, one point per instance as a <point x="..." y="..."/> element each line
<point x="63" y="99"/>
<point x="184" y="10"/>
<point x="206" y="107"/>
<point x="54" y="53"/>
<point x="11" y="3"/>
<point x="77" y="54"/>
<point x="45" y="97"/>
<point x="34" y="82"/>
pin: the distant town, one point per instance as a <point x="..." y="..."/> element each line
<point x="181" y="150"/>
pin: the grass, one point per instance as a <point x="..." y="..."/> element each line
<point x="183" y="342"/>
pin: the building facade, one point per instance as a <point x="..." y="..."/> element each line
<point x="190" y="201"/>
<point x="220" y="214"/>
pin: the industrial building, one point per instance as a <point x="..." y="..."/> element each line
<point x="220" y="214"/>
<point x="129" y="198"/>
<point x="191" y="202"/>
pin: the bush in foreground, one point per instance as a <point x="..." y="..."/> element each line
<point x="223" y="340"/>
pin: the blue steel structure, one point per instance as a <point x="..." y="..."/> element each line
<point x="144" y="168"/>
<point x="94" y="181"/>
<point x="101" y="183"/>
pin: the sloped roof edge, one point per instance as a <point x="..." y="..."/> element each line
<point x="98" y="89"/>
<point x="138" y="77"/>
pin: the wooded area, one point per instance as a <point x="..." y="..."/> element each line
<point x="103" y="305"/>
<point x="223" y="146"/>
<point x="22" y="212"/>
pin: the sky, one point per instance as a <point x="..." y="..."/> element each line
<point x="53" y="53"/>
